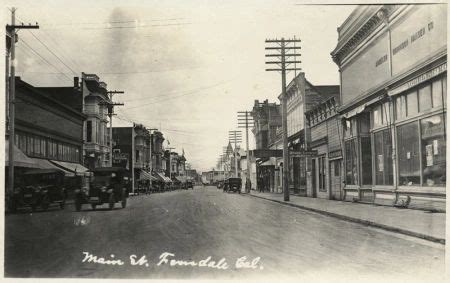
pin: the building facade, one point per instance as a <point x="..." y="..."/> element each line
<point x="96" y="139"/>
<point x="393" y="65"/>
<point x="48" y="132"/>
<point x="302" y="96"/>
<point x="132" y="151"/>
<point x="325" y="174"/>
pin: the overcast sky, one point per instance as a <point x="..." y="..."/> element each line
<point x="186" y="67"/>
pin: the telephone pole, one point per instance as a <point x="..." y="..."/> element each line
<point x="245" y="120"/>
<point x="235" y="137"/>
<point x="11" y="31"/>
<point x="110" y="114"/>
<point x="285" y="55"/>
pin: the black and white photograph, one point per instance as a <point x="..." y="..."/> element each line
<point x="260" y="141"/>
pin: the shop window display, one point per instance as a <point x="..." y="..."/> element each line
<point x="425" y="102"/>
<point x="433" y="151"/>
<point x="408" y="154"/>
<point x="411" y="103"/>
<point x="351" y="172"/>
<point x="383" y="160"/>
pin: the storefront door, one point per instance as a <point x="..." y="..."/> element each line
<point x="335" y="177"/>
<point x="314" y="178"/>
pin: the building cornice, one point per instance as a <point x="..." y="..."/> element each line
<point x="348" y="44"/>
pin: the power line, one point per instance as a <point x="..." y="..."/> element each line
<point x="45" y="45"/>
<point x="37" y="53"/>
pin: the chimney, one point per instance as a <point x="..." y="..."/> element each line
<point x="76" y="82"/>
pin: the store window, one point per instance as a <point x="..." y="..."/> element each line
<point x="401" y="107"/>
<point x="408" y="154"/>
<point x="425" y="102"/>
<point x="433" y="150"/>
<point x="351" y="172"/>
<point x="437" y="93"/>
<point x="377" y="117"/>
<point x="366" y="160"/>
<point x="383" y="160"/>
<point x="411" y="103"/>
<point x="322" y="173"/>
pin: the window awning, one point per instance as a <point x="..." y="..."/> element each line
<point x="20" y="158"/>
<point x="45" y="164"/>
<point x="144" y="175"/>
<point x="361" y="108"/>
<point x="163" y="178"/>
<point x="75" y="168"/>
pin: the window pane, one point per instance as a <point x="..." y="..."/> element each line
<point x="386" y="113"/>
<point x="364" y="123"/>
<point x="408" y="154"/>
<point x="425" y="98"/>
<point x="401" y="107"/>
<point x="387" y="150"/>
<point x="437" y="93"/>
<point x="377" y="121"/>
<point x="366" y="160"/>
<point x="351" y="172"/>
<point x="379" y="158"/>
<point x="433" y="151"/>
<point x="411" y="103"/>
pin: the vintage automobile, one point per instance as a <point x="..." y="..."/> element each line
<point x="233" y="185"/>
<point x="40" y="188"/>
<point x="220" y="184"/>
<point x="108" y="185"/>
<point x="189" y="184"/>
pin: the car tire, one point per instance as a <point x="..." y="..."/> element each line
<point x="111" y="201"/>
<point x="45" y="203"/>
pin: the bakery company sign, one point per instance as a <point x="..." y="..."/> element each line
<point x="418" y="80"/>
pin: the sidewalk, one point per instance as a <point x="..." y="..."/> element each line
<point x="416" y="223"/>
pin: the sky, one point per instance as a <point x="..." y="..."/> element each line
<point x="186" y="67"/>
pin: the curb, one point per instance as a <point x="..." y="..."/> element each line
<point x="359" y="221"/>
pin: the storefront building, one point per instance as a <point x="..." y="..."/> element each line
<point x="393" y="65"/>
<point x="302" y="96"/>
<point x="325" y="177"/>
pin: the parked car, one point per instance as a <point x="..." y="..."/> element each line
<point x="233" y="185"/>
<point x="108" y="185"/>
<point x="220" y="184"/>
<point x="40" y="188"/>
<point x="189" y="184"/>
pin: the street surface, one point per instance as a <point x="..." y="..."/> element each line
<point x="203" y="222"/>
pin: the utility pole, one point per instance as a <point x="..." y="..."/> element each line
<point x="284" y="50"/>
<point x="11" y="31"/>
<point x="150" y="154"/>
<point x="110" y="106"/>
<point x="236" y="137"/>
<point x="245" y="120"/>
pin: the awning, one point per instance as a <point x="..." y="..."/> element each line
<point x="75" y="168"/>
<point x="267" y="163"/>
<point x="45" y="164"/>
<point x="163" y="178"/>
<point x="361" y="108"/>
<point x="20" y="158"/>
<point x="181" y="179"/>
<point x="144" y="175"/>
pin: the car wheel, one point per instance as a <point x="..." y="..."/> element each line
<point x="94" y="206"/>
<point x="111" y="201"/>
<point x="124" y="202"/>
<point x="45" y="203"/>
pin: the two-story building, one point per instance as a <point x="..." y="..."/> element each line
<point x="393" y="65"/>
<point x="302" y="96"/>
<point x="48" y="131"/>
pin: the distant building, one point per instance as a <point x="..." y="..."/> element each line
<point x="132" y="151"/>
